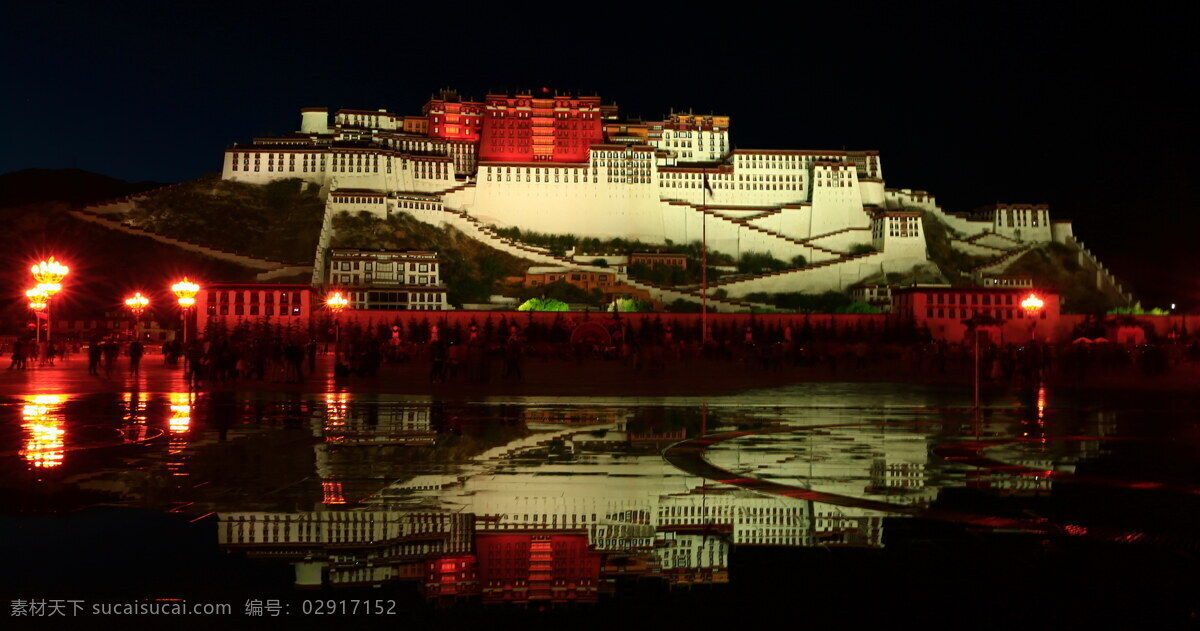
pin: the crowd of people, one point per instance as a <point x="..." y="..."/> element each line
<point x="25" y="353"/>
<point x="496" y="349"/>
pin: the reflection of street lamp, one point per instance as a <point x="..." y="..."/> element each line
<point x="49" y="275"/>
<point x="45" y="431"/>
<point x="336" y="303"/>
<point x="1033" y="307"/>
<point x="137" y="303"/>
<point x="185" y="291"/>
<point x="974" y="323"/>
<point x="37" y="303"/>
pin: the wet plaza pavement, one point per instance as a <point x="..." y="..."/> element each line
<point x="821" y="501"/>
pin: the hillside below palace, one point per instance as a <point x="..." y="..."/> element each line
<point x="569" y="164"/>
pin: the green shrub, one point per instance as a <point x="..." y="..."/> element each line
<point x="543" y="304"/>
<point x="862" y="248"/>
<point x="1137" y="309"/>
<point x="759" y="263"/>
<point x="630" y="305"/>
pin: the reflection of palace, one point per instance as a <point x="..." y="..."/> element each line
<point x="559" y="513"/>
<point x="1033" y="452"/>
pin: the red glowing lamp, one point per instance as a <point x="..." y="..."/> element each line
<point x="1032" y="305"/>
<point x="49" y="275"/>
<point x="185" y="291"/>
<point x="336" y="302"/>
<point x="37" y="298"/>
<point x="137" y="303"/>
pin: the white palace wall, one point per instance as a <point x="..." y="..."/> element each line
<point x="843" y="240"/>
<point x="571" y="200"/>
<point x="872" y="192"/>
<point x="266" y="170"/>
<point x="830" y="277"/>
<point x="836" y="200"/>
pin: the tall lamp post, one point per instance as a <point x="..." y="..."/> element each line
<point x="336" y="302"/>
<point x="185" y="291"/>
<point x="37" y="303"/>
<point x="49" y="274"/>
<point x="1033" y="308"/>
<point x="137" y="303"/>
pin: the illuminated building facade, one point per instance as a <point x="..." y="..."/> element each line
<point x="388" y="280"/>
<point x="944" y="310"/>
<point x="587" y="281"/>
<point x="451" y="118"/>
<point x="236" y="303"/>
<point x="559" y="164"/>
<point x="540" y="128"/>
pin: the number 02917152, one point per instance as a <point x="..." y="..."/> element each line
<point x="348" y="607"/>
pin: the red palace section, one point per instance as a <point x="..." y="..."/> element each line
<point x="543" y="128"/>
<point x="528" y="567"/>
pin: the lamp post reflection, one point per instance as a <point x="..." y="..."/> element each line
<point x="178" y="426"/>
<point x="45" y="433"/>
<point x="135" y="417"/>
<point x="336" y="408"/>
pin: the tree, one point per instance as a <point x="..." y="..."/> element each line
<point x="857" y="307"/>
<point x="679" y="305"/>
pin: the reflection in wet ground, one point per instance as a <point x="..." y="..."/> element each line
<point x="542" y="501"/>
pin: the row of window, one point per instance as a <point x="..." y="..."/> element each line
<point x="962" y="313"/>
<point x="386" y="266"/>
<point x="775" y="161"/>
<point x="352" y="279"/>
<point x="253" y="309"/>
<point x="975" y="299"/>
<point x="1027" y="218"/>
<point x="896" y="227"/>
<point x="267" y="297"/>
<point x="614" y="178"/>
<point x="401" y="297"/>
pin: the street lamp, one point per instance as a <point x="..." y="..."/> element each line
<point x="37" y="303"/>
<point x="1033" y="307"/>
<point x="49" y="274"/>
<point x="185" y="291"/>
<point x="137" y="303"/>
<point x="336" y="302"/>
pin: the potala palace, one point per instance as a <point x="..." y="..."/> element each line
<point x="569" y="164"/>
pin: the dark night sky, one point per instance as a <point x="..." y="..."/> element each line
<point x="1074" y="105"/>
